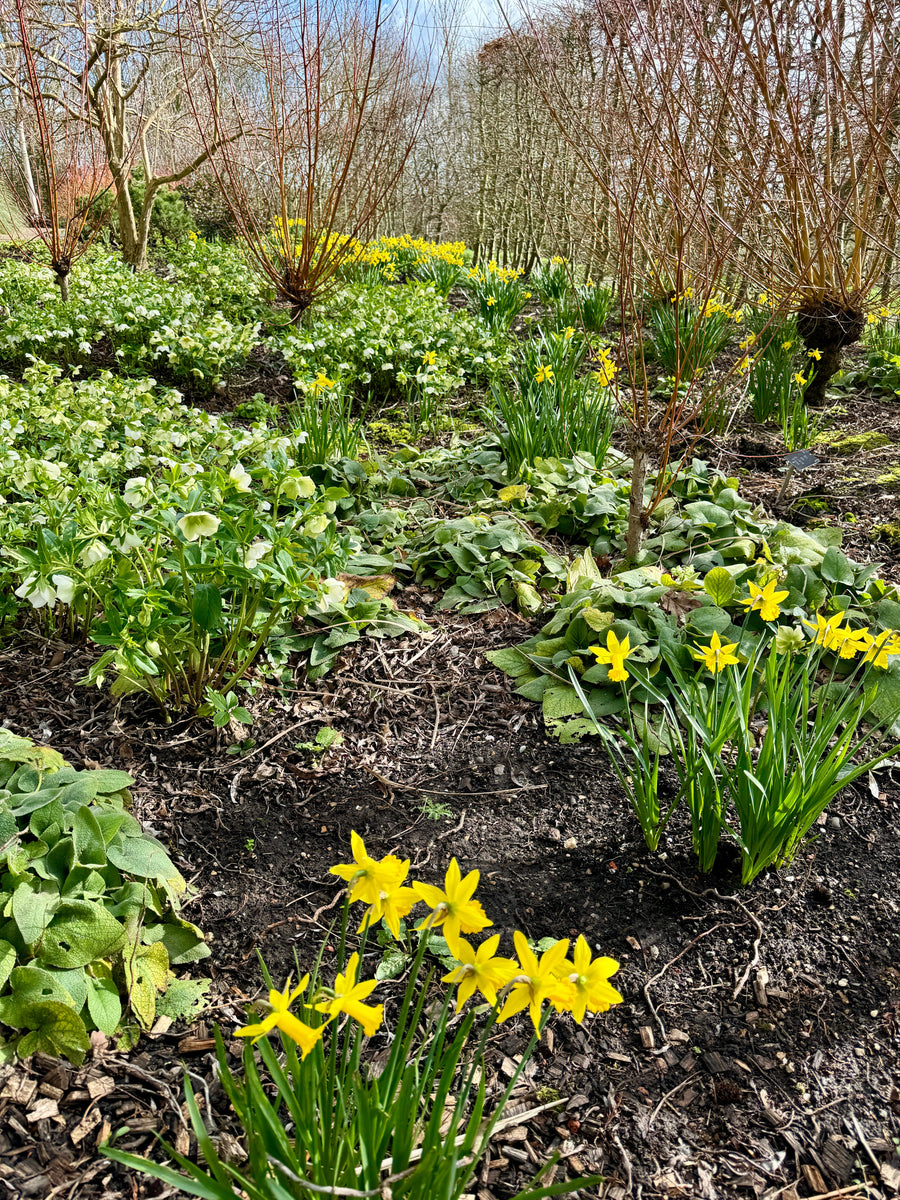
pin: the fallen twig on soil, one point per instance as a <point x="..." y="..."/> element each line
<point x="754" y="962"/>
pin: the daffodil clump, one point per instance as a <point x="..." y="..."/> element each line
<point x="317" y="1115"/>
<point x="577" y="985"/>
<point x="686" y="334"/>
<point x="499" y="293"/>
<point x="815" y="680"/>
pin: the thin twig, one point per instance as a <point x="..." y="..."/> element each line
<point x="666" y="1099"/>
<point x="670" y="963"/>
<point x="626" y="1161"/>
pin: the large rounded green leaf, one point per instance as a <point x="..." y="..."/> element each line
<point x="80" y="932"/>
<point x="142" y="856"/>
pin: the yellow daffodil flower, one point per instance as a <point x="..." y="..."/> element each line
<point x="428" y="358"/>
<point x="321" y="383"/>
<point x="490" y="302"/>
<point x="593" y="991"/>
<point x="281" y="1018"/>
<point x="538" y="981"/>
<point x="613" y="656"/>
<point x="765" y="600"/>
<point x="826" y="631"/>
<point x="348" y="997"/>
<point x="717" y="655"/>
<point x="453" y="908"/>
<point x="799" y="379"/>
<point x="880" y="649"/>
<point x="786" y="345"/>
<point x="479" y="969"/>
<point x="391" y="906"/>
<point x="852" y="641"/>
<point x="816" y="354"/>
<point x="367" y="878"/>
<point x="544" y="374"/>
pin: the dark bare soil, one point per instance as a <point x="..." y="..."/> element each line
<point x="757" y="1053"/>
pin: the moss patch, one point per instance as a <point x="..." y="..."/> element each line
<point x="837" y="443"/>
<point x="890" y="481"/>
<point x="889" y="532"/>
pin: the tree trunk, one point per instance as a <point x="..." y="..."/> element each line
<point x="62" y="279"/>
<point x="823" y="369"/>
<point x="134" y="228"/>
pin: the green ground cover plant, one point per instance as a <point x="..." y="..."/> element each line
<point x="179" y="323"/>
<point x="89" y="904"/>
<point x="393" y="343"/>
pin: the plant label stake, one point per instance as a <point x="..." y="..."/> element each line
<point x="799" y="460"/>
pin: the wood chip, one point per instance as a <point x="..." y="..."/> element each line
<point x="890" y="1177"/>
<point x="196" y="1045"/>
<point x="516" y="1133"/>
<point x="89" y="1121"/>
<point x="715" y="1063"/>
<point x="814" y="1180"/>
<point x="837" y="1160"/>
<point x="42" y="1110"/>
<point x="47" y="1089"/>
<point x="759" y="987"/>
<point x="19" y="1089"/>
<point x="677" y="1037"/>
<point x="102" y="1086"/>
<point x="647" y="1039"/>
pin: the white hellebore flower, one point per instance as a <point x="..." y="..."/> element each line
<point x="38" y="595"/>
<point x="195" y="525"/>
<point x="65" y="588"/>
<point x="241" y="479"/>
<point x="334" y="590"/>
<point x="133" y="494"/>
<point x="256" y="552"/>
<point x="94" y="553"/>
<point x="298" y="487"/>
<point x="130" y="541"/>
<point x="316" y="525"/>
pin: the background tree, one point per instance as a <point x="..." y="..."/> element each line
<point x="57" y="175"/>
<point x="818" y="120"/>
<point x="328" y="118"/>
